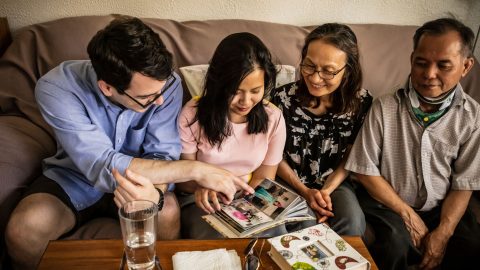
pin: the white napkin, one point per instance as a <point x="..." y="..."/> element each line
<point x="216" y="259"/>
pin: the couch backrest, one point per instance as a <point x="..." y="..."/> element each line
<point x="385" y="52"/>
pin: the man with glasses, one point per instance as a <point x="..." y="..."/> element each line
<point x="149" y="99"/>
<point x="417" y="157"/>
<point x="115" y="121"/>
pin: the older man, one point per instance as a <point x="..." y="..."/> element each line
<point x="417" y="157"/>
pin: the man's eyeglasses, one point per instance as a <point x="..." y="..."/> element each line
<point x="171" y="79"/>
<point x="324" y="74"/>
<point x="251" y="260"/>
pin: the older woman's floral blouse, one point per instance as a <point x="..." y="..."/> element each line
<point x="316" y="144"/>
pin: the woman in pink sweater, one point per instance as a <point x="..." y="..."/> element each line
<point x="231" y="125"/>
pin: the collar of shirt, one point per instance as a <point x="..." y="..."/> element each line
<point x="458" y="98"/>
<point x="96" y="90"/>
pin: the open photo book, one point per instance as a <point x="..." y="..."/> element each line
<point x="316" y="247"/>
<point x="271" y="205"/>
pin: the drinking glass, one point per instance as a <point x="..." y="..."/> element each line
<point x="138" y="220"/>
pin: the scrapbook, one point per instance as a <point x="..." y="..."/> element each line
<point x="272" y="204"/>
<point x="316" y="247"/>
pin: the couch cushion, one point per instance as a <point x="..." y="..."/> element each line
<point x="385" y="52"/>
<point x="99" y="228"/>
<point x="385" y="55"/>
<point x="34" y="51"/>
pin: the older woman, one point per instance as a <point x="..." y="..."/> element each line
<point x="323" y="112"/>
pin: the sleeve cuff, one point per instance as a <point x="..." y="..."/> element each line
<point x="367" y="170"/>
<point x="121" y="162"/>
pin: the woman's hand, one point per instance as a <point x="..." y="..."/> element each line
<point x="133" y="187"/>
<point x="320" y="202"/>
<point x="203" y="198"/>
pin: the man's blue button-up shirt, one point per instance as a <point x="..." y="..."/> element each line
<point x="95" y="135"/>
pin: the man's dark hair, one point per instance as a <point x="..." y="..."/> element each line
<point x="444" y="25"/>
<point x="235" y="58"/>
<point x="345" y="98"/>
<point x="125" y="46"/>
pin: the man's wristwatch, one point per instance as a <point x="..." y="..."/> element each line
<point x="160" y="199"/>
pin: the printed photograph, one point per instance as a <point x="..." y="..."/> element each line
<point x="314" y="252"/>
<point x="271" y="199"/>
<point x="245" y="214"/>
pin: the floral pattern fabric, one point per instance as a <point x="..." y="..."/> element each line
<point x="316" y="144"/>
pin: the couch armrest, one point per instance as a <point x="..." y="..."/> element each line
<point x="23" y="147"/>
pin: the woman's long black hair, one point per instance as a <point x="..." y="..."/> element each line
<point x="235" y="58"/>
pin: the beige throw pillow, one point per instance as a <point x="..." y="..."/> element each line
<point x="194" y="77"/>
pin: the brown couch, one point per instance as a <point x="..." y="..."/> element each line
<point x="26" y="139"/>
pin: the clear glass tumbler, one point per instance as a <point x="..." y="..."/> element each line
<point x="138" y="220"/>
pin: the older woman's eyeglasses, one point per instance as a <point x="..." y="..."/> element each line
<point x="309" y="70"/>
<point x="251" y="260"/>
<point x="171" y="80"/>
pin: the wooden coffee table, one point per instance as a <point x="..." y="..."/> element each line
<point x="106" y="254"/>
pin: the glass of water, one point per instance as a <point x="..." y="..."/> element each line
<point x="138" y="220"/>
